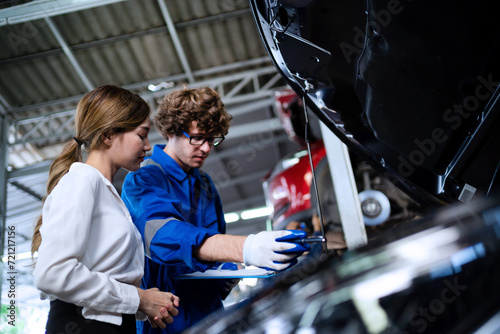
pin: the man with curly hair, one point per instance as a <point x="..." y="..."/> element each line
<point x="178" y="211"/>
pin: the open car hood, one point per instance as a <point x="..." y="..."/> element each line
<point x="409" y="86"/>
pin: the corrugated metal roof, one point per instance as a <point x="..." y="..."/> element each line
<point x="122" y="43"/>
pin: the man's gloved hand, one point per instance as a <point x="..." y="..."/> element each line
<point x="274" y="250"/>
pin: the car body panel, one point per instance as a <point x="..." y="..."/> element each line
<point x="411" y="86"/>
<point x="288" y="187"/>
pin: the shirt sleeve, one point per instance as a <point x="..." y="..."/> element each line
<point x="59" y="271"/>
<point x="157" y="212"/>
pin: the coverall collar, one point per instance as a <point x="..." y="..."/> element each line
<point x="169" y="163"/>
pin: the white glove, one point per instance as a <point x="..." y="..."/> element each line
<point x="260" y="250"/>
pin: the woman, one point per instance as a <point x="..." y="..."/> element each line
<point x="90" y="255"/>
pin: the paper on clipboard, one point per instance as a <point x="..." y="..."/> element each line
<point x="228" y="274"/>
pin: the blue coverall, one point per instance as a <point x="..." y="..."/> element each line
<point x="175" y="212"/>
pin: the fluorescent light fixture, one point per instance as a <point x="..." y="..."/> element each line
<point x="161" y="85"/>
<point x="46" y="8"/>
<point x="231" y="217"/>
<point x="256" y="213"/>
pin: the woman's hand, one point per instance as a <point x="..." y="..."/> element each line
<point x="158" y="306"/>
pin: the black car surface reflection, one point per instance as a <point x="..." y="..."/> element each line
<point x="438" y="275"/>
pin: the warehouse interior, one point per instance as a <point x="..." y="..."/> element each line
<point x="53" y="52"/>
<point x="410" y="196"/>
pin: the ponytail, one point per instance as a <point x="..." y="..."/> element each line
<point x="71" y="153"/>
<point x="105" y="109"/>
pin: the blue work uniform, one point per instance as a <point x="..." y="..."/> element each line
<point x="175" y="212"/>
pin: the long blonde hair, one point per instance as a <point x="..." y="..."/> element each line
<point x="106" y="109"/>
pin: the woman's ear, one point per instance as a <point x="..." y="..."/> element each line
<point x="107" y="137"/>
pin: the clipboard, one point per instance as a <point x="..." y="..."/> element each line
<point x="228" y="274"/>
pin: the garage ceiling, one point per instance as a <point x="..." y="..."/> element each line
<point x="53" y="52"/>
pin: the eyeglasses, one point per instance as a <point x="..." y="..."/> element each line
<point x="199" y="140"/>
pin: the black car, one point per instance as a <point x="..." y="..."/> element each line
<point x="411" y="87"/>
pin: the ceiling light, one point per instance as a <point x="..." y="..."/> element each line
<point x="40" y="9"/>
<point x="161" y="85"/>
<point x="231" y="217"/>
<point x="256" y="213"/>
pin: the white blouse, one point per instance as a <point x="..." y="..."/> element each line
<point x="91" y="253"/>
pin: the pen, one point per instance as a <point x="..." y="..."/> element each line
<point x="309" y="240"/>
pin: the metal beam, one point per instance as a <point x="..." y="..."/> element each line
<point x="27" y="190"/>
<point x="244" y="130"/>
<point x="236" y="131"/>
<point x="53" y="130"/>
<point x="3" y="188"/>
<point x="155" y="138"/>
<point x="32" y="123"/>
<point x="231" y="152"/>
<point x="42" y="167"/>
<point x="214" y="18"/>
<point x="69" y="53"/>
<point x="245" y="204"/>
<point x="175" y="39"/>
<point x="239" y="65"/>
<point x="125" y="37"/>
<point x="21" y="208"/>
<point x="254" y="176"/>
<point x="4" y="105"/>
<point x="276" y="144"/>
<point x="141" y="85"/>
<point x="251" y="107"/>
<point x="218" y="84"/>
<point x="46" y="8"/>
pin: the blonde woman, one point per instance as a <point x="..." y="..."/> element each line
<point x="90" y="255"/>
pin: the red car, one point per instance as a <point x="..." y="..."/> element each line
<point x="288" y="187"/>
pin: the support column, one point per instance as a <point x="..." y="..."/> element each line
<point x="4" y="127"/>
<point x="346" y="191"/>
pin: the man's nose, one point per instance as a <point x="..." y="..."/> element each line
<point x="206" y="147"/>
